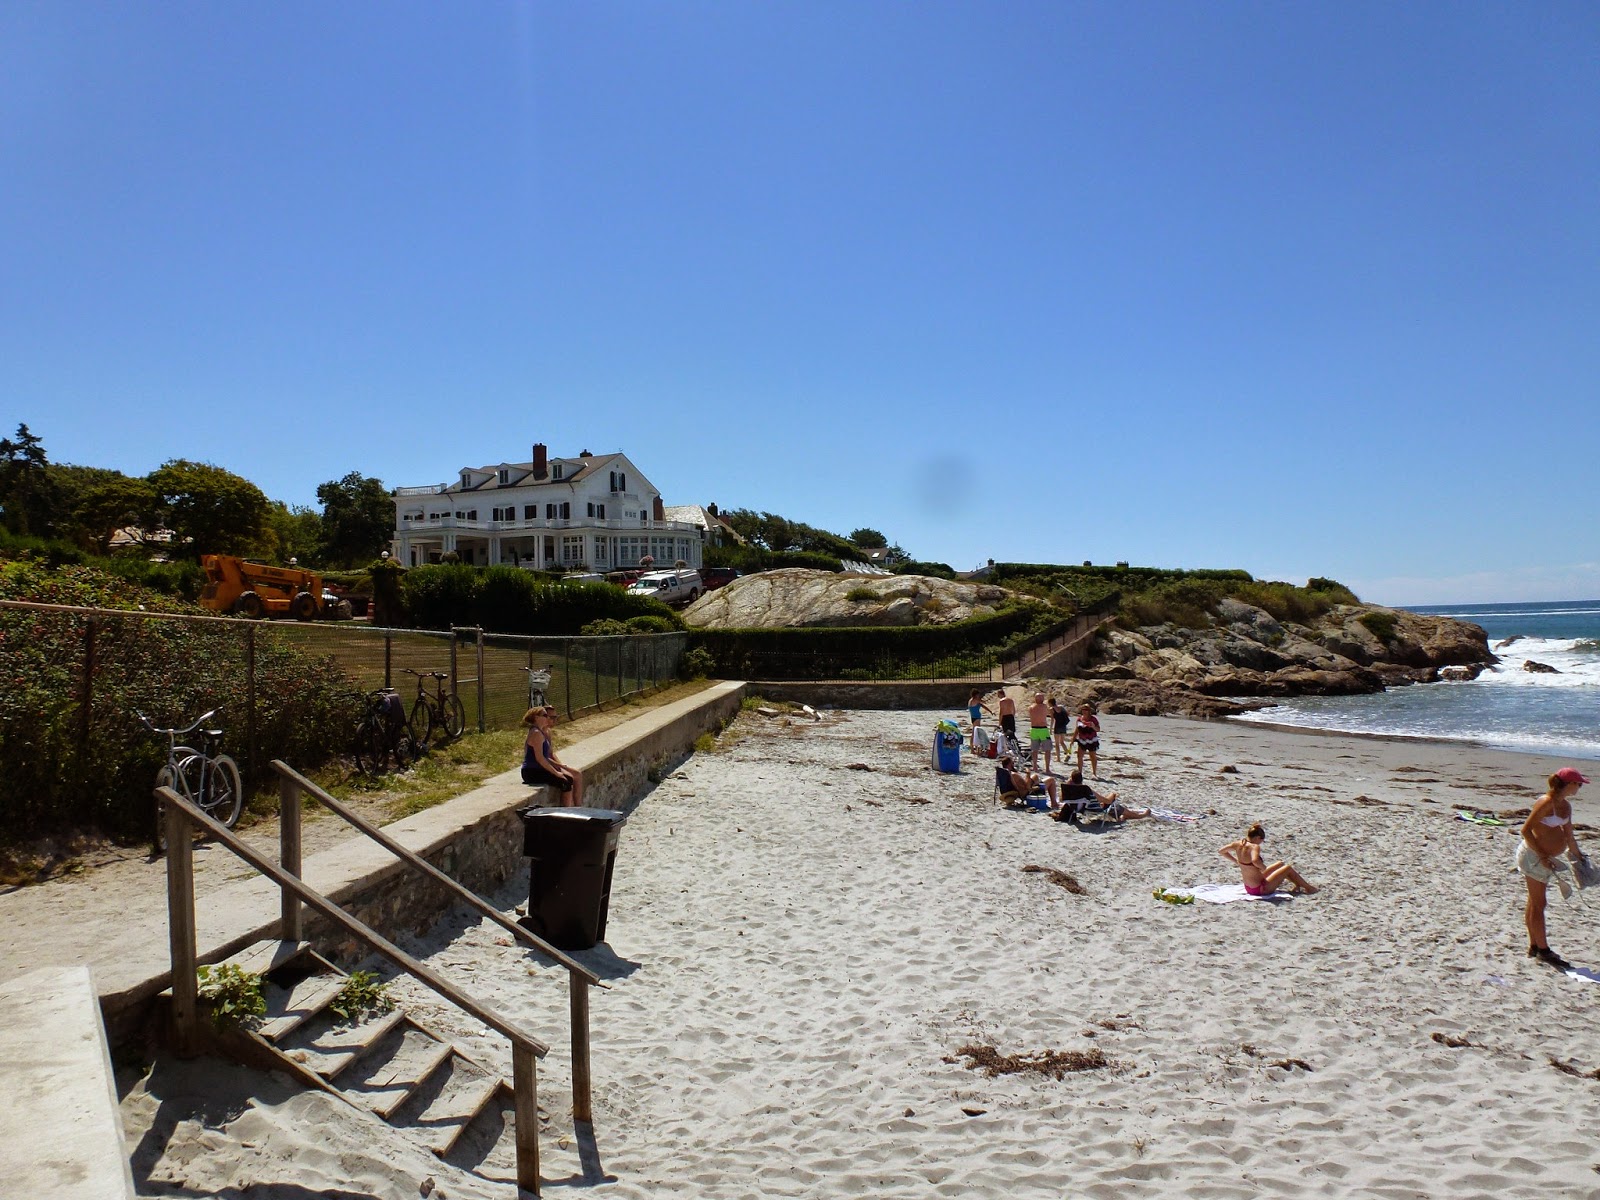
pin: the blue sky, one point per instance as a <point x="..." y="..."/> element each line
<point x="1307" y="289"/>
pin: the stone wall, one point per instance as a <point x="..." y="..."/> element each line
<point x="889" y="694"/>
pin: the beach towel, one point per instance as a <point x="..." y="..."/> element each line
<point x="1583" y="974"/>
<point x="1226" y="893"/>
<point x="1478" y="818"/>
<point x="1172" y="814"/>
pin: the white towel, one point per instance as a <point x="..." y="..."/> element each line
<point x="1225" y="893"/>
<point x="1172" y="814"/>
<point x="1584" y="974"/>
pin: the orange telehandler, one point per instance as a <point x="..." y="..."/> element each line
<point x="252" y="589"/>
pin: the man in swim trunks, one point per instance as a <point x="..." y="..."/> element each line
<point x="1039" y="731"/>
<point x="1546" y="834"/>
<point x="1016" y="786"/>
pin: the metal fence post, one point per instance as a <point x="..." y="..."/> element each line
<point x="481" y="725"/>
<point x="86" y="697"/>
<point x="388" y="658"/>
<point x="566" y="658"/>
<point x="455" y="672"/>
<point x="250" y="701"/>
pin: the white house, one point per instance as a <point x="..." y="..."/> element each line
<point x="593" y="511"/>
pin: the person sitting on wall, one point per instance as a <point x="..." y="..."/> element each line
<point x="540" y="766"/>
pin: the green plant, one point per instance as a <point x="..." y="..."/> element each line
<point x="1380" y="624"/>
<point x="361" y="995"/>
<point x="705" y="744"/>
<point x="231" y="993"/>
<point x="697" y="663"/>
<point x="861" y="593"/>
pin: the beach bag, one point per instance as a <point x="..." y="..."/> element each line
<point x="981" y="743"/>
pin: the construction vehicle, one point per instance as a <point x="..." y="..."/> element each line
<point x="253" y="589"/>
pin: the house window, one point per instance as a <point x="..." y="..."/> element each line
<point x="619" y="481"/>
<point x="598" y="511"/>
<point x="555" y="471"/>
<point x="470" y="515"/>
<point x="549" y="512"/>
<point x="566" y="510"/>
<point x="571" y="549"/>
<point x="530" y="512"/>
<point x="505" y="475"/>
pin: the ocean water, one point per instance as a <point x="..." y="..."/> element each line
<point x="1506" y="707"/>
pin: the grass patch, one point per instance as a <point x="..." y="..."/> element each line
<point x="1380" y="625"/>
<point x="861" y="593"/>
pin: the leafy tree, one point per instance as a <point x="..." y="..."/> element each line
<point x="209" y="510"/>
<point x="357" y="519"/>
<point x="25" y="490"/>
<point x="868" y="539"/>
<point x="106" y="502"/>
<point x="293" y="531"/>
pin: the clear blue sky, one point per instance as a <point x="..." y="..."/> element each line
<point x="1306" y="289"/>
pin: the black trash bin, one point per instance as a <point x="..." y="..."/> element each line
<point x="569" y="880"/>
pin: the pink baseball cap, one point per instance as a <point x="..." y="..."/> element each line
<point x="1570" y="775"/>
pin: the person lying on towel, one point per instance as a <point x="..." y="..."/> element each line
<point x="1016" y="786"/>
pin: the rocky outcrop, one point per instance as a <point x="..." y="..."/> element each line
<point x="797" y="597"/>
<point x="1538" y="668"/>
<point x="1245" y="652"/>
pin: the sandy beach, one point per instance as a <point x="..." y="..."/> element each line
<point x="808" y="927"/>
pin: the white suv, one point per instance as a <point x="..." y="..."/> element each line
<point x="670" y="587"/>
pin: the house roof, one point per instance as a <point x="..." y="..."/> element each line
<point x="698" y="514"/>
<point x="521" y="474"/>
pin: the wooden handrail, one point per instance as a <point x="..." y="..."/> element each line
<point x="332" y="912"/>
<point x="412" y="858"/>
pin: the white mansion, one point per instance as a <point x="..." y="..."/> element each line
<point x="597" y="512"/>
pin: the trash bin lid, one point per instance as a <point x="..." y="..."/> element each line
<point x="608" y="816"/>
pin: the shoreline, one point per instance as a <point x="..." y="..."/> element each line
<point x="1439" y="739"/>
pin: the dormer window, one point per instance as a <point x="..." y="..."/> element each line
<point x="555" y="471"/>
<point x="505" y="476"/>
<point x="466" y="479"/>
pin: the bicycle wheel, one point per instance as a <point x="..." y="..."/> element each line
<point x="221" y="792"/>
<point x="369" y="746"/>
<point x="421" y="722"/>
<point x="455" y="717"/>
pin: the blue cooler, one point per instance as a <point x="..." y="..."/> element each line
<point x="947" y="748"/>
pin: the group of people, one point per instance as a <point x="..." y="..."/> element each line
<point x="1050" y="729"/>
<point x="540" y="766"/>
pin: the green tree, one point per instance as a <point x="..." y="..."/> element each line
<point x="294" y="531"/>
<point x="209" y="510"/>
<point x="25" y="491"/>
<point x="868" y="539"/>
<point x="357" y="519"/>
<point x="106" y="502"/>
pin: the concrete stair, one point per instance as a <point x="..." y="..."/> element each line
<point x="390" y="1064"/>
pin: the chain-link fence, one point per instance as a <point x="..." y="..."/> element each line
<point x="73" y="752"/>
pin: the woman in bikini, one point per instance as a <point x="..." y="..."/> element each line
<point x="1546" y="834"/>
<point x="1087" y="735"/>
<point x="1261" y="879"/>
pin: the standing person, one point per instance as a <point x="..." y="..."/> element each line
<point x="1546" y="833"/>
<point x="1060" y="720"/>
<point x="975" y="710"/>
<point x="540" y="766"/>
<point x="1260" y="878"/>
<point x="1038" y="732"/>
<point x="1008" y="718"/>
<point x="1087" y="735"/>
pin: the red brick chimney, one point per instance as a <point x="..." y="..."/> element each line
<point x="540" y="467"/>
<point x="658" y="510"/>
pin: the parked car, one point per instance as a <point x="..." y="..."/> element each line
<point x="714" y="577"/>
<point x="670" y="587"/>
<point x="623" y="578"/>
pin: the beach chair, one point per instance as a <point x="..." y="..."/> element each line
<point x="1009" y="797"/>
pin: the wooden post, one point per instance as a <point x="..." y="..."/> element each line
<point x="582" y="1098"/>
<point x="289" y="856"/>
<point x="481" y="725"/>
<point x="525" y="1083"/>
<point x="180" y="931"/>
<point x="86" y="697"/>
<point x="250" y="701"/>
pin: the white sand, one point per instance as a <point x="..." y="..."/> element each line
<point x="798" y="952"/>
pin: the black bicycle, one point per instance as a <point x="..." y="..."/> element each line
<point x="382" y="734"/>
<point x="441" y="714"/>
<point x="204" y="776"/>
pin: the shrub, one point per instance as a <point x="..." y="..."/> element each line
<point x="231" y="993"/>
<point x="938" y="570"/>
<point x="510" y="600"/>
<point x="697" y="663"/>
<point x="1332" y="588"/>
<point x="362" y="994"/>
<point x="605" y="627"/>
<point x="861" y="593"/>
<point x="1380" y="624"/>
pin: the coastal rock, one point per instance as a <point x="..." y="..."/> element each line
<point x="797" y="597"/>
<point x="1460" y="674"/>
<point x="1142" y="698"/>
<point x="1538" y="668"/>
<point x="1510" y="641"/>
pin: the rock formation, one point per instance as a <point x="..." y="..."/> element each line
<point x="797" y="597"/>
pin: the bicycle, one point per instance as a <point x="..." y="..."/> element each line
<point x="538" y="681"/>
<point x="205" y="777"/>
<point x="381" y="732"/>
<point x="439" y="712"/>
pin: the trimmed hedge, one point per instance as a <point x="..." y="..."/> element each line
<point x="751" y="560"/>
<point x="511" y="600"/>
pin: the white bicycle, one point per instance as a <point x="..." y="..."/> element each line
<point x="204" y="777"/>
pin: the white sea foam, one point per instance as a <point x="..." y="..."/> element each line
<point x="1577" y="661"/>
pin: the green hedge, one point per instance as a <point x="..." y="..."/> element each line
<point x="752" y="559"/>
<point x="52" y="779"/>
<point x="511" y="600"/>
